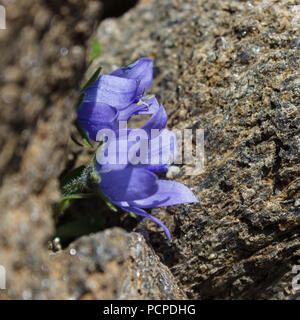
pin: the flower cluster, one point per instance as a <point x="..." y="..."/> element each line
<point x="131" y="186"/>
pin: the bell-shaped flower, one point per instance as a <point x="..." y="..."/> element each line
<point x="123" y="90"/>
<point x="134" y="187"/>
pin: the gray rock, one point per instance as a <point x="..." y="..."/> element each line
<point x="112" y="265"/>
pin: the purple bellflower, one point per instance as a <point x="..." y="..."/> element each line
<point x="132" y="186"/>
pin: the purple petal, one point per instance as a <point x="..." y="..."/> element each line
<point x="128" y="184"/>
<point x="131" y="111"/>
<point x="114" y="91"/>
<point x="157" y="121"/>
<point x="156" y="168"/>
<point x="141" y="70"/>
<point x="162" y="149"/>
<point x="154" y="154"/>
<point x="114" y="154"/>
<point x="161" y="144"/>
<point x="94" y="116"/>
<point x="169" y="193"/>
<point x="135" y="109"/>
<point x="143" y="213"/>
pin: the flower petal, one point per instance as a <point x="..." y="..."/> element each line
<point x="113" y="155"/>
<point x="94" y="116"/>
<point x="156" y="168"/>
<point x="157" y="121"/>
<point x="169" y="193"/>
<point x="130" y="111"/>
<point x="143" y="213"/>
<point x="128" y="184"/>
<point x="114" y="91"/>
<point x="162" y="150"/>
<point x="137" y="109"/>
<point x="141" y="70"/>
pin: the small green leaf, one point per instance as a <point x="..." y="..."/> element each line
<point x="83" y="135"/>
<point x="87" y="142"/>
<point x="62" y="206"/>
<point x="74" y="139"/>
<point x="96" y="50"/>
<point x="95" y="176"/>
<point x="65" y="202"/>
<point x="94" y="173"/>
<point x="78" y="196"/>
<point x="92" y="79"/>
<point x="107" y="201"/>
<point x="111" y="206"/>
<point x="68" y="177"/>
<point x="132" y="215"/>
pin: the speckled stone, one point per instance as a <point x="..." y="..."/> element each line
<point x="232" y="69"/>
<point x="112" y="265"/>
